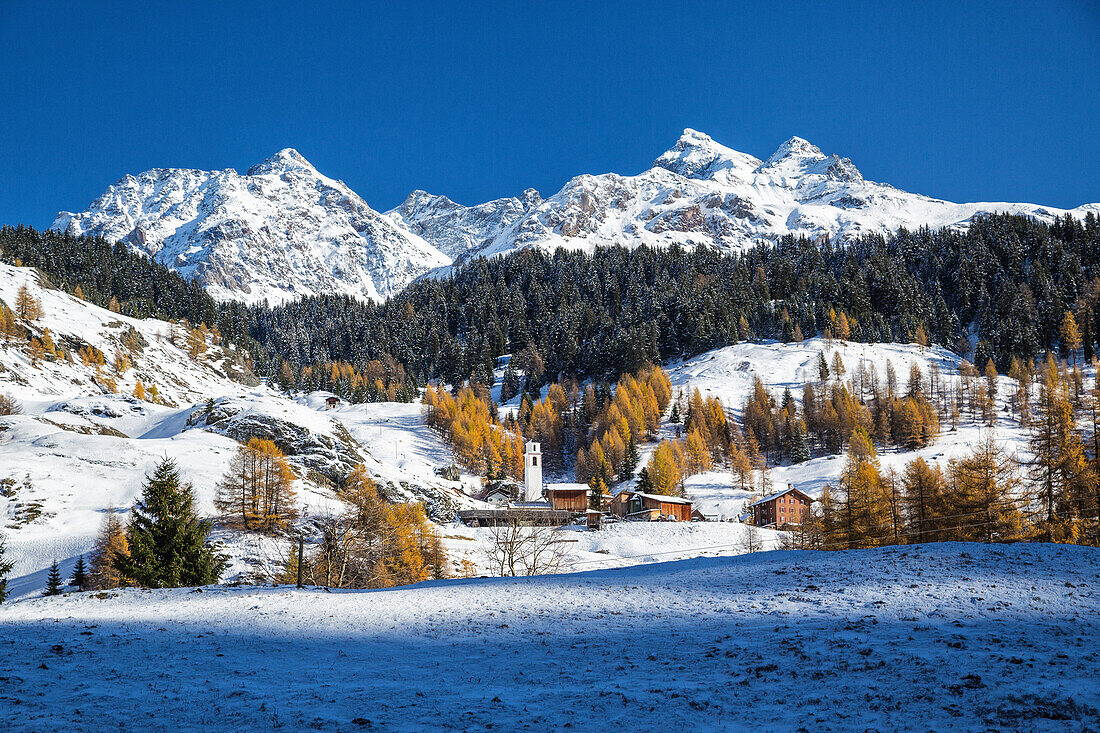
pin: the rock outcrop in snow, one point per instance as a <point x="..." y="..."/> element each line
<point x="282" y="230"/>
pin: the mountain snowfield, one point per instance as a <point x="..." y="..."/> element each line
<point x="939" y="637"/>
<point x="284" y="230"/>
<point x="281" y="230"/>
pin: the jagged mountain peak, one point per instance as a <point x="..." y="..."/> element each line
<point x="697" y="155"/>
<point x="283" y="230"/>
<point x="794" y="148"/>
<point x="284" y="160"/>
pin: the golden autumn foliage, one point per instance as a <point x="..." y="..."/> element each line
<point x="111" y="541"/>
<point x="27" y="307"/>
<point x="469" y="425"/>
<point x="375" y="544"/>
<point x="257" y="490"/>
<point x="664" y="467"/>
<point x="633" y="414"/>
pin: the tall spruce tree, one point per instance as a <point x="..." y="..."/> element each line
<point x="53" y="581"/>
<point x="166" y="538"/>
<point x="630" y="461"/>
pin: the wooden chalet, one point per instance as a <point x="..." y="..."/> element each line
<point x="651" y="507"/>
<point x="788" y="507"/>
<point x="568" y="497"/>
<point x="498" y="496"/>
<point x="331" y="402"/>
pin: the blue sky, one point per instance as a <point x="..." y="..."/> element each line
<point x="964" y="101"/>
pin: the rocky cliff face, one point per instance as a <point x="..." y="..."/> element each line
<point x="282" y="230"/>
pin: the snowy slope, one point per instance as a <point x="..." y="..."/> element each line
<point x="729" y="374"/>
<point x="78" y="450"/>
<point x="281" y="230"/>
<point x="933" y="637"/>
<point x="73" y="323"/>
<point x="702" y="193"/>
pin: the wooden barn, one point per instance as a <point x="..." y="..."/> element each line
<point x="568" y="497"/>
<point x="789" y="506"/>
<point x="652" y="507"/>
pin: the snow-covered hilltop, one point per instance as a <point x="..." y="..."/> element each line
<point x="702" y="193"/>
<point x="282" y="230"/>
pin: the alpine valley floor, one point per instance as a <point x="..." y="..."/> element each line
<point x="929" y="637"/>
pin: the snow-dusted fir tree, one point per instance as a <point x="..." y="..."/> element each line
<point x="80" y="575"/>
<point x="54" y="586"/>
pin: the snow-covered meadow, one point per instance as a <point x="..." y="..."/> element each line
<point x="932" y="637"/>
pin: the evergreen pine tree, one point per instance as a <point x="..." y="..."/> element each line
<point x="167" y="540"/>
<point x="5" y="568"/>
<point x="799" y="451"/>
<point x="80" y="575"/>
<point x="53" y="581"/>
<point x="630" y="461"/>
<point x="645" y="484"/>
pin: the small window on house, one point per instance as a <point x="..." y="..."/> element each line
<point x="534" y="460"/>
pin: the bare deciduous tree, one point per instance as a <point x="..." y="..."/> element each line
<point x="9" y="405"/>
<point x="522" y="547"/>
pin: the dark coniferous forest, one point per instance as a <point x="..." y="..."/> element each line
<point x="1000" y="289"/>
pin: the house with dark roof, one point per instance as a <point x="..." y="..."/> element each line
<point x="653" y="507"/>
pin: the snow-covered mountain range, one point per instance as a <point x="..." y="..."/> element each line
<point x="283" y="230"/>
<point x="702" y="193"/>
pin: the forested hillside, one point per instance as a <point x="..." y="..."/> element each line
<point x="1001" y="289"/>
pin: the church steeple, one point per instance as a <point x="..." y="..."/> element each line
<point x="532" y="471"/>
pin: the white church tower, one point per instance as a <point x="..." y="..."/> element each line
<point x="532" y="472"/>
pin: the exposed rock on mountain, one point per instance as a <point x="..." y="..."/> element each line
<point x="281" y="230"/>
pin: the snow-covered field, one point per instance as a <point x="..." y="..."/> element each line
<point x="933" y="637"/>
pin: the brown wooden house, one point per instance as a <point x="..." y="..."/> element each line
<point x="788" y="507"/>
<point x="653" y="507"/>
<point x="568" y="497"/>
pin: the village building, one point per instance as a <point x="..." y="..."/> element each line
<point x="532" y="471"/>
<point x="534" y="503"/>
<point x="571" y="497"/>
<point x="498" y="496"/>
<point x="652" y="507"/>
<point x="331" y="401"/>
<point x="788" y="507"/>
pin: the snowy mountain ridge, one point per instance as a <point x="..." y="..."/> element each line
<point x="700" y="192"/>
<point x="280" y="231"/>
<point x="283" y="230"/>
